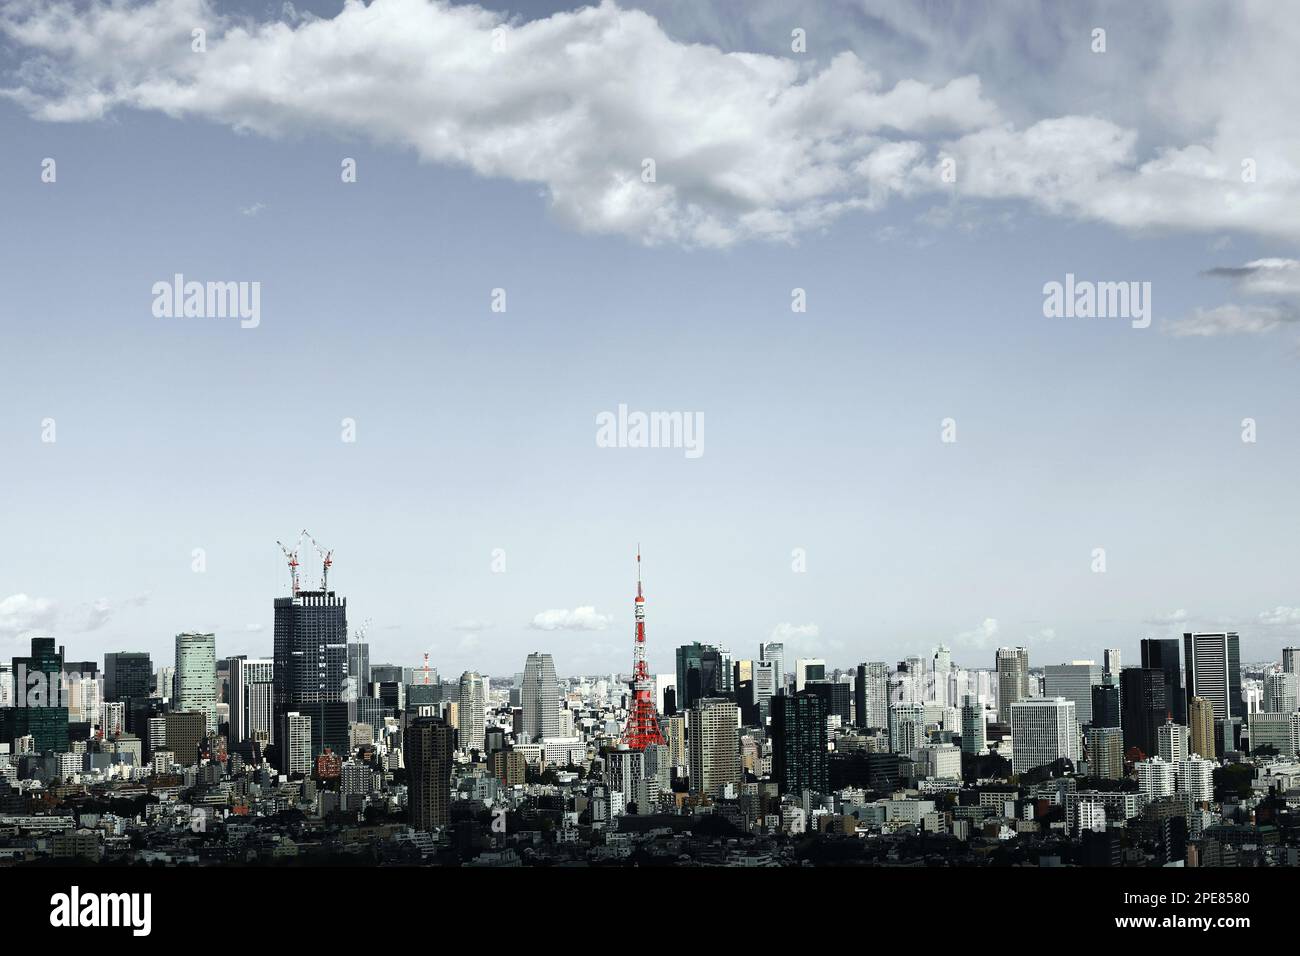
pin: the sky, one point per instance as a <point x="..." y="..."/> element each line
<point x="920" y="171"/>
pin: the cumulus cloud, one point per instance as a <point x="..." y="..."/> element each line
<point x="1276" y="279"/>
<point x="787" y="633"/>
<point x="579" y="619"/>
<point x="20" y="614"/>
<point x="745" y="145"/>
<point x="1280" y="615"/>
<point x="1171" y="619"/>
<point x="980" y="636"/>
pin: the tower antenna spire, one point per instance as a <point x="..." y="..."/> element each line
<point x="642" y="727"/>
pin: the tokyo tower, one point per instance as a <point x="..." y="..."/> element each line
<point x="642" y="727"/>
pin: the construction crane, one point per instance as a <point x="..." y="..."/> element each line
<point x="327" y="558"/>
<point x="292" y="558"/>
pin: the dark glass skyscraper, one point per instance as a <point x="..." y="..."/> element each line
<point x="1144" y="707"/>
<point x="702" y="671"/>
<point x="1105" y="704"/>
<point x="41" y="710"/>
<point x="1162" y="655"/>
<point x="799" y="760"/>
<point x="127" y="674"/>
<point x="311" y="667"/>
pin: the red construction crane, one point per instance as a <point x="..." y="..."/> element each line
<point x="327" y="558"/>
<point x="292" y="558"/>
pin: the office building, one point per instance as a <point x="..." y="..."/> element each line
<point x="1144" y="707"/>
<point x="184" y="732"/>
<point x="941" y="668"/>
<point x="1106" y="703"/>
<point x="973" y="729"/>
<point x="127" y="674"/>
<point x="838" y="696"/>
<point x="1105" y="752"/>
<point x="540" y="698"/>
<point x="702" y="671"/>
<point x="1213" y="663"/>
<point x="1074" y="682"/>
<point x="714" y="748"/>
<point x="1172" y="741"/>
<point x="311" y="667"/>
<point x="196" y="675"/>
<point x="359" y="667"/>
<point x="774" y="652"/>
<point x="808" y="669"/>
<point x="1043" y="730"/>
<point x="252" y="700"/>
<point x="297" y="743"/>
<point x="799" y="758"/>
<point x="1111" y="663"/>
<point x="1290" y="661"/>
<point x="40" y="710"/>
<point x="907" y="728"/>
<point x="1012" y="666"/>
<point x="1162" y="654"/>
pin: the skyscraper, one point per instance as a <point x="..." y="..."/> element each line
<point x="1162" y="655"/>
<point x="714" y="747"/>
<point x="1012" y="665"/>
<point x="1111" y="663"/>
<point x="359" y="666"/>
<point x="1214" y="672"/>
<point x="311" y="666"/>
<point x="1290" y="659"/>
<point x="1105" y="702"/>
<point x="1073" y="681"/>
<point x="702" y="671"/>
<point x="1201" y="715"/>
<point x="40" y="710"/>
<point x="799" y="760"/>
<point x="1105" y="752"/>
<point x="127" y="674"/>
<point x="252" y="700"/>
<point x="1144" y="707"/>
<point x="1171" y="741"/>
<point x="540" y="697"/>
<point x="1043" y="730"/>
<point x="196" y="675"/>
<point x="974" y="738"/>
<point x="774" y="651"/>
<point x="942" y="669"/>
<point x="871" y="694"/>
<point x="471" y="718"/>
<point x="429" y="745"/>
<point x="806" y="669"/>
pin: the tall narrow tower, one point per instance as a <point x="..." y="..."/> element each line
<point x="642" y="727"/>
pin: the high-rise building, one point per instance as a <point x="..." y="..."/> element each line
<point x="1201" y="714"/>
<point x="871" y="695"/>
<point x="1172" y="741"/>
<point x="1105" y="752"/>
<point x="1155" y="778"/>
<point x="471" y="718"/>
<point x="196" y="675"/>
<point x="942" y="670"/>
<point x="252" y="700"/>
<point x="1281" y="691"/>
<point x="1162" y="654"/>
<point x="311" y="666"/>
<point x="1213" y="664"/>
<point x="359" y="666"/>
<point x="1275" y="732"/>
<point x="1012" y="665"/>
<point x="799" y="760"/>
<point x="540" y="698"/>
<point x="41" y="708"/>
<point x="906" y="727"/>
<point x="1043" y="730"/>
<point x="974" y="738"/>
<point x="676" y="740"/>
<point x="1105" y="702"/>
<point x="1144" y="707"/>
<point x="714" y="749"/>
<point x="1110" y="663"/>
<point x="1194" y="776"/>
<point x="297" y="743"/>
<point x="1291" y="660"/>
<point x="702" y="671"/>
<point x="806" y="669"/>
<point x="184" y="732"/>
<point x="127" y="674"/>
<point x="1073" y="681"/>
<point x="765" y="688"/>
<point x="429" y="746"/>
<point x="837" y="695"/>
<point x="774" y="651"/>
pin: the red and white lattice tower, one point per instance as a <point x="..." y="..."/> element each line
<point x="642" y="727"/>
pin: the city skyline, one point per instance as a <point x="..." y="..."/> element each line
<point x="809" y="170"/>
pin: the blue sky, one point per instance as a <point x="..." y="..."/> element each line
<point x="475" y="430"/>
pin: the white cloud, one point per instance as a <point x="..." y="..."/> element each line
<point x="787" y="633"/>
<point x="980" y="636"/>
<point x="1231" y="319"/>
<point x="1280" y="615"/>
<point x="579" y="619"/>
<point x="20" y="614"/>
<point x="1179" y="616"/>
